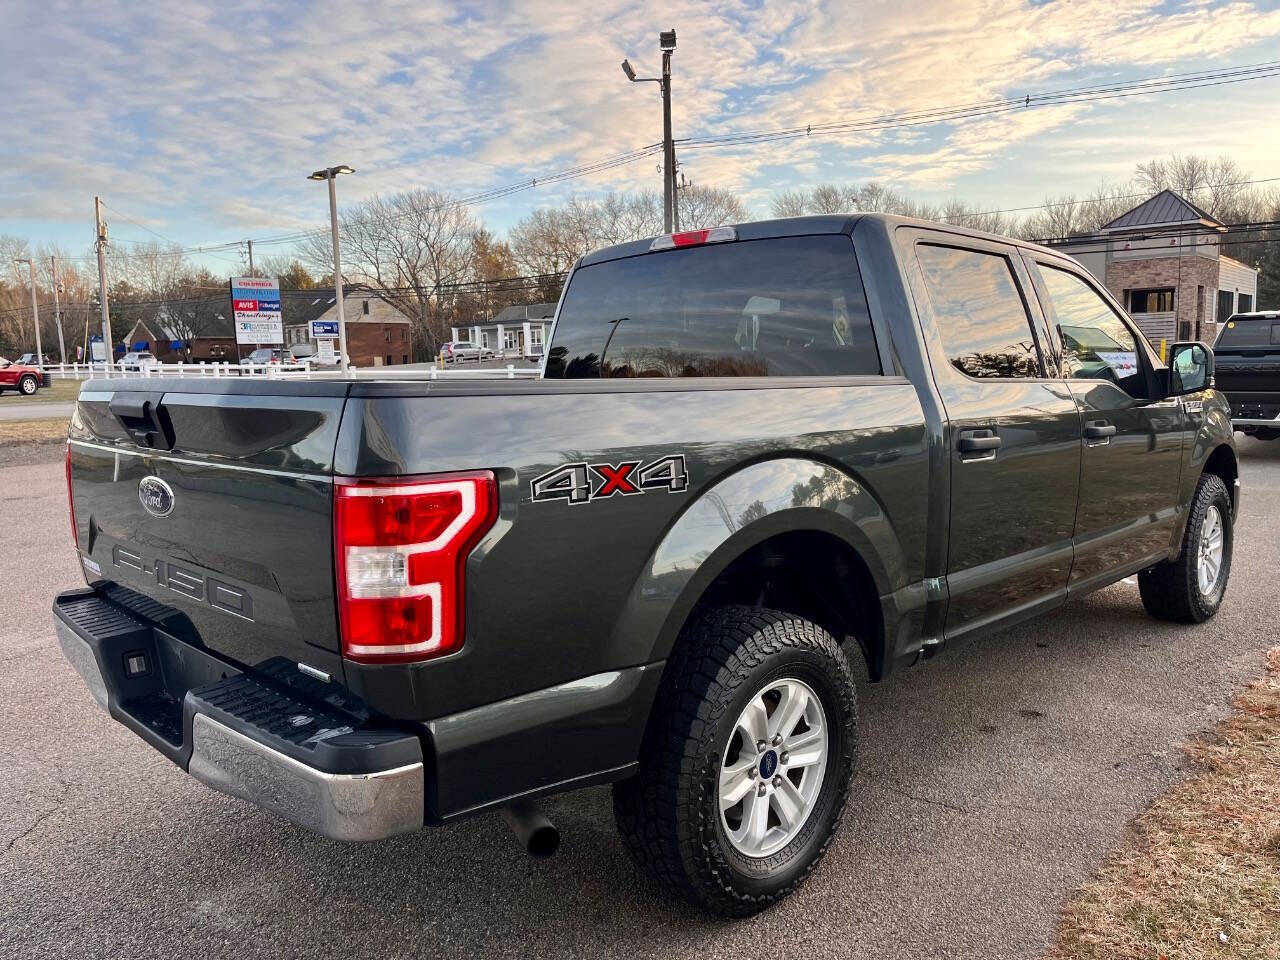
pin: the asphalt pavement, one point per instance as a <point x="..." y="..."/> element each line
<point x="992" y="782"/>
<point x="35" y="410"/>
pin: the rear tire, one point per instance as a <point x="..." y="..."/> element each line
<point x="28" y="385"/>
<point x="729" y="666"/>
<point x="1190" y="588"/>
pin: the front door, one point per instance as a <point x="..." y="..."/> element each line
<point x="1014" y="433"/>
<point x="1132" y="438"/>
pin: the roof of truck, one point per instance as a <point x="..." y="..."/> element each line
<point x="808" y="226"/>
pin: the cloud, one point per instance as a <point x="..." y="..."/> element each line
<point x="201" y="119"/>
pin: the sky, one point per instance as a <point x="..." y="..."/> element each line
<point x="198" y="122"/>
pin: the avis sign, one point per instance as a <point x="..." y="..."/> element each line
<point x="255" y="304"/>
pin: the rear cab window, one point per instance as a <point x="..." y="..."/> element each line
<point x="1249" y="332"/>
<point x="781" y="307"/>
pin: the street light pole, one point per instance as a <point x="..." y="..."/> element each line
<point x="35" y="309"/>
<point x="330" y="174"/>
<point x="668" y="146"/>
<point x="667" y="43"/>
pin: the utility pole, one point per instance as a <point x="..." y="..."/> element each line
<point x="667" y="43"/>
<point x="251" y="273"/>
<point x="101" y="244"/>
<point x="57" y="310"/>
<point x="35" y="308"/>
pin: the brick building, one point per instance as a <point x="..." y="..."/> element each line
<point x="377" y="333"/>
<point x="1162" y="260"/>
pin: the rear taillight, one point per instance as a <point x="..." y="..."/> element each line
<point x="401" y="546"/>
<point x="71" y="502"/>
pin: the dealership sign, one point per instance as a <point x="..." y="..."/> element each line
<point x="255" y="303"/>
<point x="324" y="329"/>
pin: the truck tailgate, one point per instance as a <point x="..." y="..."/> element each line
<point x="217" y="502"/>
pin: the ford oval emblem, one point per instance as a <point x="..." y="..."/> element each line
<point x="156" y="496"/>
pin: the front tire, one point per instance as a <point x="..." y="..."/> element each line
<point x="745" y="768"/>
<point x="27" y="385"/>
<point x="1190" y="588"/>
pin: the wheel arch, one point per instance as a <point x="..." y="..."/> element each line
<point x="792" y="533"/>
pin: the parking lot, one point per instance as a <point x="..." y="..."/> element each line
<point x="992" y="781"/>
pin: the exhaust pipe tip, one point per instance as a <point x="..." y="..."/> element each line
<point x="536" y="833"/>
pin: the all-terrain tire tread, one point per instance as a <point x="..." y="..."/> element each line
<point x="660" y="810"/>
<point x="1169" y="590"/>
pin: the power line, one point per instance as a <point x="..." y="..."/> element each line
<point x="1141" y="87"/>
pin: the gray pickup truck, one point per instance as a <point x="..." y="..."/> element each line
<point x="755" y="453"/>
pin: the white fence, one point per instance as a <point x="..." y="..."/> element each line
<point x="281" y="371"/>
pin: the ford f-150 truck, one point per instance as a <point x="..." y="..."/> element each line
<point x="754" y="453"/>
<point x="1247" y="358"/>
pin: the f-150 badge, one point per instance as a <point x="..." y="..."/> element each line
<point x="584" y="482"/>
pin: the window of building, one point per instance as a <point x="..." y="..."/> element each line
<point x="510" y="340"/>
<point x="981" y="317"/>
<point x="404" y="334"/>
<point x="1154" y="300"/>
<point x="1096" y="343"/>
<point x="790" y="306"/>
<point x="404" y="358"/>
<point x="386" y="336"/>
<point x="1226" y="304"/>
<point x="1246" y="302"/>
<point x="366" y="308"/>
<point x="388" y="359"/>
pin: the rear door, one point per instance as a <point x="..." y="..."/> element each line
<point x="217" y="504"/>
<point x="1014" y="432"/>
<point x="1132" y="439"/>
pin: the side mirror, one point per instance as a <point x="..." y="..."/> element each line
<point x="1190" y="368"/>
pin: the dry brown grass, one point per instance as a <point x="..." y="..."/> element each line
<point x="1199" y="875"/>
<point x="33" y="431"/>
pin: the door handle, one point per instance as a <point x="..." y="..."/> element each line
<point x="1099" y="431"/>
<point x="979" y="441"/>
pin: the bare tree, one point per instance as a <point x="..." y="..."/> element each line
<point x="1212" y="183"/>
<point x="408" y="247"/>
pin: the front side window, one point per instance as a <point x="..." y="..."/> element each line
<point x="981" y="318"/>
<point x="1157" y="300"/>
<point x="789" y="306"/>
<point x="1096" y="344"/>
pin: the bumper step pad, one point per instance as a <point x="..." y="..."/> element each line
<point x="271" y="736"/>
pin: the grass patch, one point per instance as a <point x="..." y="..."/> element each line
<point x="60" y="391"/>
<point x="1199" y="875"/>
<point x="33" y="431"/>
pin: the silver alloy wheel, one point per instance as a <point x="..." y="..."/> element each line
<point x="28" y="385"/>
<point x="1209" y="553"/>
<point x="772" y="769"/>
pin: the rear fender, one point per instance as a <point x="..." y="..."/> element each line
<point x="737" y="512"/>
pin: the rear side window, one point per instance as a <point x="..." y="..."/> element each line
<point x="1252" y="332"/>
<point x="791" y="306"/>
<point x="981" y="318"/>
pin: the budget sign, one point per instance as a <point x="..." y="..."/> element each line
<point x="255" y="301"/>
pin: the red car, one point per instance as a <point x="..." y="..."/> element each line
<point x="16" y="376"/>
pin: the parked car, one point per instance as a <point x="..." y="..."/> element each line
<point x="136" y="360"/>
<point x="456" y="350"/>
<point x="31" y="360"/>
<point x="1248" y="371"/>
<point x="266" y="355"/>
<point x="755" y="453"/>
<point x="23" y="378"/>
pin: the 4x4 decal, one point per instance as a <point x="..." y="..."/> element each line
<point x="584" y="482"/>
